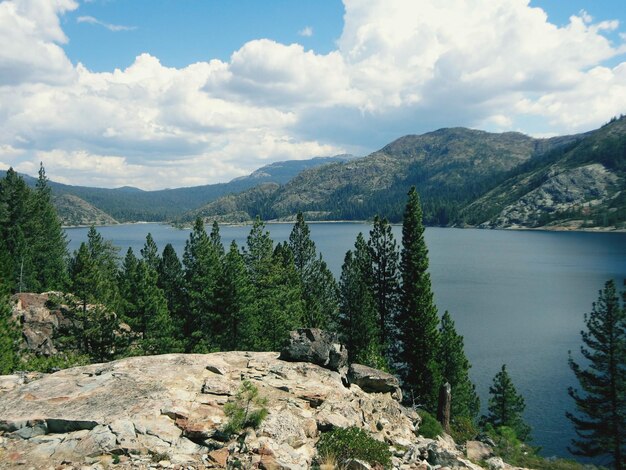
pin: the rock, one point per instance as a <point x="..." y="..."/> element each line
<point x="476" y="451"/>
<point x="317" y="347"/>
<point x="374" y="381"/>
<point x="220" y="457"/>
<point x="356" y="464"/>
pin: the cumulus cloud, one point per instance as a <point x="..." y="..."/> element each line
<point x="400" y="66"/>
<point x="111" y="27"/>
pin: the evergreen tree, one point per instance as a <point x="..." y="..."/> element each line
<point x="506" y="406"/>
<point x="150" y="253"/>
<point x="9" y="337"/>
<point x="319" y="288"/>
<point x="418" y="318"/>
<point x="49" y="243"/>
<point x="277" y="305"/>
<point x="455" y="370"/>
<point x="201" y="262"/>
<point x="128" y="286"/>
<point x="216" y="239"/>
<point x="15" y="197"/>
<point x="93" y="271"/>
<point x="385" y="278"/>
<point x="171" y="279"/>
<point x="357" y="311"/>
<point x="233" y="303"/>
<point x="601" y="419"/>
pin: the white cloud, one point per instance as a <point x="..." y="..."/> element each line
<point x="111" y="27"/>
<point x="401" y="66"/>
<point x="306" y="32"/>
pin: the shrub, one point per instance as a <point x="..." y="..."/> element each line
<point x="429" y="427"/>
<point x="246" y="410"/>
<point x="463" y="429"/>
<point x="342" y="444"/>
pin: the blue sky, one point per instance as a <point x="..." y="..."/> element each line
<point x="166" y="93"/>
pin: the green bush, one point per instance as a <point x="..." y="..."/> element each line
<point x="247" y="410"/>
<point x="462" y="429"/>
<point x="429" y="427"/>
<point x="353" y="443"/>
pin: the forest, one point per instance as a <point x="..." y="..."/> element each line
<point x="249" y="297"/>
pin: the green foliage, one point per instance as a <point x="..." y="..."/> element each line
<point x="429" y="427"/>
<point x="319" y="288"/>
<point x="506" y="406"/>
<point x="454" y="369"/>
<point x="515" y="452"/>
<point x="463" y="429"/>
<point x="600" y="420"/>
<point x="418" y="318"/>
<point x="247" y="410"/>
<point x="171" y="280"/>
<point x="357" y="311"/>
<point x="48" y="364"/>
<point x="9" y="338"/>
<point x="353" y="443"/>
<point x="384" y="255"/>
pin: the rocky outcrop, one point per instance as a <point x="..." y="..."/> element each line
<point x="317" y="347"/>
<point x="168" y="412"/>
<point x="561" y="192"/>
<point x="374" y="381"/>
<point x="38" y="321"/>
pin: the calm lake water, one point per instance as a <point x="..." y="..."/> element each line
<point x="518" y="297"/>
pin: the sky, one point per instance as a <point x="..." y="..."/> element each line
<point x="170" y="93"/>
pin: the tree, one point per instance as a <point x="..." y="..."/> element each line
<point x="357" y="311"/>
<point x="319" y="288"/>
<point x="49" y="243"/>
<point x="233" y="302"/>
<point x="418" y="320"/>
<point x="506" y="406"/>
<point x="9" y="338"/>
<point x="385" y="278"/>
<point x="171" y="279"/>
<point x="600" y="420"/>
<point x="150" y="253"/>
<point x="201" y="262"/>
<point x="455" y="370"/>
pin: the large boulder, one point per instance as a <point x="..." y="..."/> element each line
<point x="374" y="381"/>
<point x="317" y="347"/>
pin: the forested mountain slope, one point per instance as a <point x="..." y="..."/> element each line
<point x="450" y="167"/>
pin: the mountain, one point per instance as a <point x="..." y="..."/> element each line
<point x="128" y="204"/>
<point x="450" y="167"/>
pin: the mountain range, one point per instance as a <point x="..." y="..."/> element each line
<point x="465" y="177"/>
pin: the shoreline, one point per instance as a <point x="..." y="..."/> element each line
<point x="556" y="228"/>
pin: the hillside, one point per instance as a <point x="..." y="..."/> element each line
<point x="89" y="205"/>
<point x="450" y="167"/>
<point x="575" y="186"/>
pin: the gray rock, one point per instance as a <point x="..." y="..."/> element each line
<point x="374" y="381"/>
<point x="476" y="451"/>
<point x="317" y="347"/>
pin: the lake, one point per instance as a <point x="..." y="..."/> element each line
<point x="518" y="297"/>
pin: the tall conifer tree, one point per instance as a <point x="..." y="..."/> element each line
<point x="418" y="320"/>
<point x="600" y="420"/>
<point x="385" y="278"/>
<point x="319" y="288"/>
<point x="150" y="253"/>
<point x="171" y="279"/>
<point x="455" y="370"/>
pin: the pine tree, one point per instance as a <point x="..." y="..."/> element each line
<point x="9" y="337"/>
<point x="385" y="278"/>
<point x="234" y="298"/>
<point x="418" y="320"/>
<point x="48" y="241"/>
<point x="171" y="279"/>
<point x="357" y="311"/>
<point x="201" y="262"/>
<point x="319" y="288"/>
<point x="128" y="286"/>
<point x="455" y="370"/>
<point x="150" y="253"/>
<point x="506" y="406"/>
<point x="600" y="420"/>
